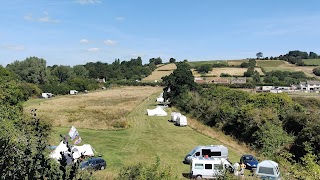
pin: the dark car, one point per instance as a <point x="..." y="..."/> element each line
<point x="250" y="161"/>
<point x="93" y="164"/>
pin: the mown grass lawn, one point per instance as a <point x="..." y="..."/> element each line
<point x="144" y="140"/>
<point x="311" y="62"/>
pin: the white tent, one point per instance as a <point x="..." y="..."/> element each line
<point x="182" y="121"/>
<point x="268" y="168"/>
<point x="156" y="112"/>
<point x="85" y="149"/>
<point x="62" y="147"/>
<point x="160" y="99"/>
<point x="175" y="116"/>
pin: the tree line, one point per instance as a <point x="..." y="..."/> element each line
<point x="36" y="77"/>
<point x="276" y="125"/>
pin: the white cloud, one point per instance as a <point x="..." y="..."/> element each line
<point x="84" y="41"/>
<point x="119" y="18"/>
<point x="110" y="42"/>
<point x="14" y="47"/>
<point x="88" y="1"/>
<point x="45" y="18"/>
<point x="93" y="50"/>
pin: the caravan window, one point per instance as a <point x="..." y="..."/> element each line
<point x="215" y="153"/>
<point x="266" y="170"/>
<point x="208" y="166"/>
<point x="198" y="166"/>
<point x="218" y="167"/>
<point x="209" y="153"/>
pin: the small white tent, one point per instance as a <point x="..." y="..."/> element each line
<point x="182" y="121"/>
<point x="160" y="99"/>
<point x="85" y="149"/>
<point x="268" y="168"/>
<point x="62" y="147"/>
<point x="175" y="116"/>
<point x="156" y="112"/>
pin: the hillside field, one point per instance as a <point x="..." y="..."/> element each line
<point x="312" y="62"/>
<point x="144" y="139"/>
<point x="160" y="72"/>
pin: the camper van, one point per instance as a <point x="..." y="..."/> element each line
<point x="212" y="151"/>
<point x="209" y="167"/>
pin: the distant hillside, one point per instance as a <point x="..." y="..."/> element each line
<point x="232" y="67"/>
<point x="160" y="72"/>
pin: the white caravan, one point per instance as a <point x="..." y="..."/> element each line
<point x="209" y="167"/>
<point x="212" y="151"/>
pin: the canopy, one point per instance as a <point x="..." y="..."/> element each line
<point x="156" y="112"/>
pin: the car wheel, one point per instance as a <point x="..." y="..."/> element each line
<point x="198" y="177"/>
<point x="102" y="167"/>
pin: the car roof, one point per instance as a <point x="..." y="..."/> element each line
<point x="95" y="158"/>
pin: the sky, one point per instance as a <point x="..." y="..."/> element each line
<point x="74" y="32"/>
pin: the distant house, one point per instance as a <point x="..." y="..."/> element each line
<point x="310" y="86"/>
<point x="199" y="80"/>
<point x="220" y="81"/>
<point x="238" y="80"/>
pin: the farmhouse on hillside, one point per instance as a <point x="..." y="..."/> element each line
<point x="310" y="86"/>
<point x="238" y="80"/>
<point x="220" y="81"/>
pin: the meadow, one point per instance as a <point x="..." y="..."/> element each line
<point x="227" y="70"/>
<point x="145" y="137"/>
<point x="312" y="62"/>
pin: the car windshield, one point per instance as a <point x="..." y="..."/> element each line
<point x="193" y="151"/>
<point x="84" y="164"/>
<point x="250" y="158"/>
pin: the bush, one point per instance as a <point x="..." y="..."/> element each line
<point x="139" y="171"/>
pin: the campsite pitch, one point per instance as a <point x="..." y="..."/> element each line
<point x="146" y="138"/>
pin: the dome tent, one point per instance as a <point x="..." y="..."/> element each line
<point x="268" y="168"/>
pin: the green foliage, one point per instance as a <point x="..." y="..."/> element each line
<point x="249" y="72"/>
<point x="156" y="61"/>
<point x="172" y="60"/>
<point x="204" y="68"/>
<point x="316" y="71"/>
<point x="225" y="75"/>
<point x="31" y="70"/>
<point x="180" y="81"/>
<point x="259" y="55"/>
<point x="284" y="77"/>
<point x="144" y="172"/>
<point x="29" y="90"/>
<point x="270" y="138"/>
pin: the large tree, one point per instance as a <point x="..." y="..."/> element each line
<point x="31" y="70"/>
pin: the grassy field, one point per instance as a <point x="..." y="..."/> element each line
<point x="146" y="137"/>
<point x="270" y="63"/>
<point x="232" y="71"/>
<point x="160" y="72"/>
<point x="312" y="62"/>
<point x="99" y="110"/>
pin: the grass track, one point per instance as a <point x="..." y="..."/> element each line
<point x="146" y="138"/>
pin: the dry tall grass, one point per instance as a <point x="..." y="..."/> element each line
<point x="232" y="71"/>
<point x="98" y="110"/>
<point x="160" y="72"/>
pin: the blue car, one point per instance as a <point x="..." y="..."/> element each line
<point x="94" y="164"/>
<point x="250" y="161"/>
